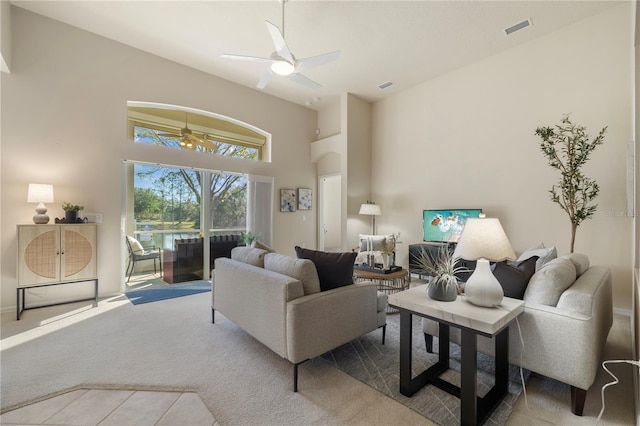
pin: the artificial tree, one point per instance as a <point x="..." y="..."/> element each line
<point x="567" y="148"/>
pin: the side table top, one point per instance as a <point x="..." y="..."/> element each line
<point x="459" y="312"/>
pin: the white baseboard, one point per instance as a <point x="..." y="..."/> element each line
<point x="622" y="312"/>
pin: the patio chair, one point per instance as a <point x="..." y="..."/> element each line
<point x="138" y="253"/>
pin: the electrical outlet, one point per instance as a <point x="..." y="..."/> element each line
<point x="94" y="217"/>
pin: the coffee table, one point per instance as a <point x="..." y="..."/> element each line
<point x="472" y="321"/>
<point x="389" y="283"/>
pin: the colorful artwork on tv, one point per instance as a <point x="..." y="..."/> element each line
<point x="446" y="225"/>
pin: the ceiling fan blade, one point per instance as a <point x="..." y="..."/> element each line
<point x="245" y="58"/>
<point x="265" y="79"/>
<point x="279" y="43"/>
<point x="169" y="135"/>
<point x="305" y="81"/>
<point x="316" y="61"/>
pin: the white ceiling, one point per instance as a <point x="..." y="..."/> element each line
<point x="406" y="42"/>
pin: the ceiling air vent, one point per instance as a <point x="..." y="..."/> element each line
<point x="517" y="27"/>
<point x="385" y="85"/>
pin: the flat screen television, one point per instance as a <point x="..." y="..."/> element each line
<point x="445" y="226"/>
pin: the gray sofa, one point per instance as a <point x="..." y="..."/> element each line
<point x="277" y="299"/>
<point x="567" y="317"/>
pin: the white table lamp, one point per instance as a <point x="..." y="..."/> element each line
<point x="484" y="240"/>
<point x="372" y="209"/>
<point x="40" y="193"/>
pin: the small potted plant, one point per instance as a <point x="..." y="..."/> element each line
<point x="248" y="238"/>
<point x="443" y="269"/>
<point x="71" y="212"/>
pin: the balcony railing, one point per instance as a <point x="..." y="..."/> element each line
<point x="164" y="238"/>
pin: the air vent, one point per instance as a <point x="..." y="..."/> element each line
<point x="385" y="85"/>
<point x="517" y="27"/>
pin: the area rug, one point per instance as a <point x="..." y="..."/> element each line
<point x="377" y="365"/>
<point x="168" y="291"/>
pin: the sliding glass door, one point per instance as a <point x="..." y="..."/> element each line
<point x="169" y="208"/>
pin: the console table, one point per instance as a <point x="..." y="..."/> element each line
<point x="472" y="321"/>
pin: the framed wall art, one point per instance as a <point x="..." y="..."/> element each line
<point x="287" y="200"/>
<point x="304" y="199"/>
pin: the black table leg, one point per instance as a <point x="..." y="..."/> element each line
<point x="405" y="352"/>
<point x="468" y="379"/>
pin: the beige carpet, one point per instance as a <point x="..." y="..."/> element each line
<point x="172" y="345"/>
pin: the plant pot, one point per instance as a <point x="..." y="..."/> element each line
<point x="70" y="216"/>
<point x="442" y="290"/>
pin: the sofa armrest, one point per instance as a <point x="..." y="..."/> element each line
<point x="323" y="321"/>
<point x="256" y="300"/>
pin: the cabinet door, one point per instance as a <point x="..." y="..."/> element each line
<point x="78" y="252"/>
<point x="38" y="254"/>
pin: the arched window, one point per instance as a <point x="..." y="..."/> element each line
<point x="182" y="128"/>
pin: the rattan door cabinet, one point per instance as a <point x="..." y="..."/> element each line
<point x="56" y="254"/>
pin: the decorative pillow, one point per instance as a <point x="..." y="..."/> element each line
<point x="378" y="242"/>
<point x="545" y="255"/>
<point x="258" y="244"/>
<point x="334" y="269"/>
<point x="580" y="261"/>
<point x="250" y="255"/>
<point x="514" y="277"/>
<point x="547" y="285"/>
<point x="303" y="270"/>
<point x="135" y="245"/>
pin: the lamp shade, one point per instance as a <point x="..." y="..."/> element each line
<point x="40" y="193"/>
<point x="370" y="209"/>
<point x="484" y="239"/>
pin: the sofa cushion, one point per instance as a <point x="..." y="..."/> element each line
<point x="548" y="283"/>
<point x="303" y="270"/>
<point x="545" y="255"/>
<point x="250" y="255"/>
<point x="580" y="261"/>
<point x="514" y="276"/>
<point x="334" y="269"/>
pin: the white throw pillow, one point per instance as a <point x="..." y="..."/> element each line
<point x="380" y="243"/>
<point x="547" y="285"/>
<point x="250" y="255"/>
<point x="135" y="245"/>
<point x="545" y="255"/>
<point x="580" y="261"/>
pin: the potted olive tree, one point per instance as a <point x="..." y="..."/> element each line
<point x="567" y="148"/>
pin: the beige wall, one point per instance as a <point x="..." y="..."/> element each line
<point x="467" y="139"/>
<point x="64" y="123"/>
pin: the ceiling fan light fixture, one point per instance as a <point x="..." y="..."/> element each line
<point x="282" y="67"/>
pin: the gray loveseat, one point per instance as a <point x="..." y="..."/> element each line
<point x="277" y="299"/>
<point x="567" y="317"/>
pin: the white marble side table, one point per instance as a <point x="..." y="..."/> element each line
<point x="472" y="321"/>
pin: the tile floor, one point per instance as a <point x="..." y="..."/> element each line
<point x="114" y="407"/>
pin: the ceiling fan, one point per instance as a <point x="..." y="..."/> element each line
<point x="283" y="62"/>
<point x="188" y="139"/>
